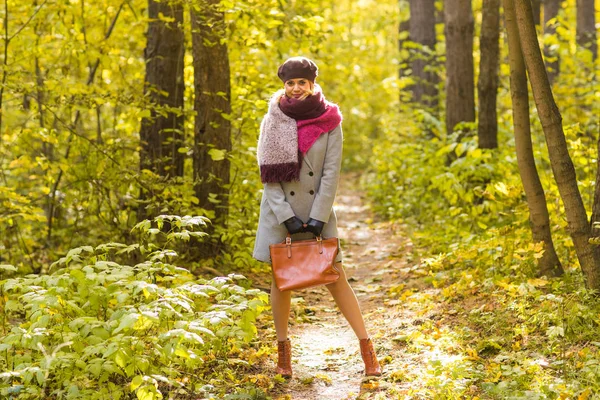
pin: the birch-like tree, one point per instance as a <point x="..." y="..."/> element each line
<point x="539" y="218"/>
<point x="560" y="160"/>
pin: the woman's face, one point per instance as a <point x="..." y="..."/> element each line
<point x="296" y="87"/>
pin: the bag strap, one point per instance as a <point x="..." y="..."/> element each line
<point x="288" y="238"/>
<point x="288" y="243"/>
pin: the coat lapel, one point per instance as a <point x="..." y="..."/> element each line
<point x="307" y="161"/>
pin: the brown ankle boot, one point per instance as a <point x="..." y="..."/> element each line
<point x="372" y="367"/>
<point x="284" y="358"/>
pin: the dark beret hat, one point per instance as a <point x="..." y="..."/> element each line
<point x="298" y="67"/>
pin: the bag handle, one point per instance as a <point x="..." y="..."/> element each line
<point x="288" y="238"/>
<point x="288" y="243"/>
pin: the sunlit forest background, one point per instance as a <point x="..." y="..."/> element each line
<point x="129" y="186"/>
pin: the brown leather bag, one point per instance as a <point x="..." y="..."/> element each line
<point x="304" y="263"/>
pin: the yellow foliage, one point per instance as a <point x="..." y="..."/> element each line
<point x="585" y="394"/>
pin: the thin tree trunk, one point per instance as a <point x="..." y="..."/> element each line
<point x="47" y="146"/>
<point x="422" y="32"/>
<point x="551" y="8"/>
<point x="212" y="131"/>
<point x="561" y="163"/>
<point x="586" y="26"/>
<point x="595" y="219"/>
<point x="460" y="87"/>
<point x="539" y="218"/>
<point x="487" y="87"/>
<point x="5" y="67"/>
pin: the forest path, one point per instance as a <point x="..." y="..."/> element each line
<point x="379" y="264"/>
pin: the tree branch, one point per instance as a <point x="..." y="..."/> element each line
<point x="28" y="21"/>
<point x="72" y="128"/>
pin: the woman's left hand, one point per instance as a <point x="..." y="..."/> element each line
<point x="314" y="226"/>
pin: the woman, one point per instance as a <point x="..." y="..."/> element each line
<point x="300" y="154"/>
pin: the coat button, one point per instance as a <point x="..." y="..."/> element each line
<point x="292" y="193"/>
<point x="311" y="173"/>
<point x="312" y="192"/>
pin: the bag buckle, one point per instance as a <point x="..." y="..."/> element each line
<point x="320" y="242"/>
<point x="288" y="244"/>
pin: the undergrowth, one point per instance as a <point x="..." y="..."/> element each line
<point x="100" y="327"/>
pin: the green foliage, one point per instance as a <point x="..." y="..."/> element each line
<point x="71" y="157"/>
<point x="66" y="141"/>
<point x="448" y="187"/>
<point x="519" y="336"/>
<point x="98" y="328"/>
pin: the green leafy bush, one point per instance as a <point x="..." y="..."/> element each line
<point x="98" y="328"/>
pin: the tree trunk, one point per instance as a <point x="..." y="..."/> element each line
<point x="212" y="140"/>
<point x="586" y="26"/>
<point x="595" y="219"/>
<point x="460" y="88"/>
<point x="422" y="32"/>
<point x="539" y="219"/>
<point x="487" y="87"/>
<point x="536" y="6"/>
<point x="562" y="165"/>
<point x="161" y="134"/>
<point x="551" y="8"/>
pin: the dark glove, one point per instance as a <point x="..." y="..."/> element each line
<point x="294" y="225"/>
<point x="314" y="226"/>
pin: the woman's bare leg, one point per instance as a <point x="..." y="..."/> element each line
<point x="348" y="303"/>
<point x="280" y="305"/>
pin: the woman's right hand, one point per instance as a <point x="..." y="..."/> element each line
<point x="294" y="225"/>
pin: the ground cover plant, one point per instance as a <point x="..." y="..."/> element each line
<point x="97" y="326"/>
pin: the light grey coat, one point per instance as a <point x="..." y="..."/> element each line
<point x="310" y="197"/>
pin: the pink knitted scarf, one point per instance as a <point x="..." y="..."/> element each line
<point x="309" y="130"/>
<point x="283" y="140"/>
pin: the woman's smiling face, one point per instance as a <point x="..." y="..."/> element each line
<point x="295" y="88"/>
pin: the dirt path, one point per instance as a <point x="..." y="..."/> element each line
<point x="381" y="269"/>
